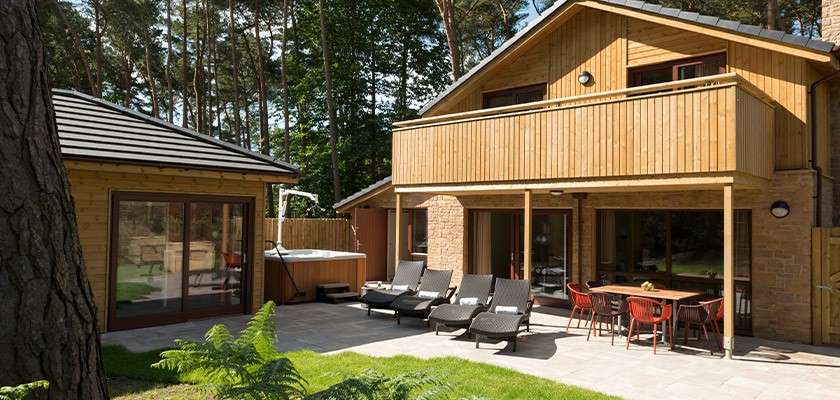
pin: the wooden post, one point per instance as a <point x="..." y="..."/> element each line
<point x="398" y="231"/>
<point x="225" y="226"/>
<point x="526" y="263"/>
<point x="728" y="272"/>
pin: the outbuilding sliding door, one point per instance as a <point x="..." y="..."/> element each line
<point x="176" y="257"/>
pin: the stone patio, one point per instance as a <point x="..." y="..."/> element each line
<point x="761" y="369"/>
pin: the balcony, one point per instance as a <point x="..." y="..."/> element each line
<point x="717" y="125"/>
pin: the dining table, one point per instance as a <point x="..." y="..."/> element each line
<point x="672" y="295"/>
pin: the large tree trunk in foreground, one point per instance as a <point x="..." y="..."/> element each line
<point x="48" y="328"/>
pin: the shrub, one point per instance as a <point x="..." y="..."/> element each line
<point x="23" y="391"/>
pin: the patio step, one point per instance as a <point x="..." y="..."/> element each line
<point x="334" y="292"/>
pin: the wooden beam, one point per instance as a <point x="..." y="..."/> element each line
<point x="665" y="183"/>
<point x="728" y="271"/>
<point x="399" y="234"/>
<point x="169" y="171"/>
<point x="528" y="241"/>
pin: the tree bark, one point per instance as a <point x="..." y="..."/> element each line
<point x="198" y="72"/>
<point x="450" y="28"/>
<point x="325" y="49"/>
<point x="170" y="97"/>
<point x="49" y="318"/>
<point x="150" y="81"/>
<point x="237" y="105"/>
<point x="185" y="121"/>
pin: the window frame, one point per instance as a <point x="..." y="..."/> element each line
<point x="634" y="74"/>
<point x="486" y="96"/>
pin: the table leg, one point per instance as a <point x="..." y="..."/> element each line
<point x="676" y="305"/>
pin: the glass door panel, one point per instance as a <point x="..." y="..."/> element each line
<point x="549" y="258"/>
<point x="148" y="258"/>
<point x="216" y="255"/>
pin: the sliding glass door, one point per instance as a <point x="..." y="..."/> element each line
<point x="497" y="247"/>
<point x="174" y="257"/>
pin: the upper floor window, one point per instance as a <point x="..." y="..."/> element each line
<point x="519" y="95"/>
<point x="677" y="70"/>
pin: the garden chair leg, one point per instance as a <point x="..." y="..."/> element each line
<point x="654" y="339"/>
<point x="476" y="341"/>
<point x="571" y="316"/>
<point x="630" y="333"/>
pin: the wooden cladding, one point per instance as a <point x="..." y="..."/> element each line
<point x="722" y="128"/>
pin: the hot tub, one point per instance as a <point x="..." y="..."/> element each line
<point x="310" y="268"/>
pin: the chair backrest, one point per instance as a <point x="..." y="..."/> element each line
<point x="602" y="303"/>
<point x="436" y="280"/>
<point x="593" y="284"/>
<point x="477" y="286"/>
<point x="578" y="296"/>
<point x="648" y="311"/>
<point x="714" y="309"/>
<point x="511" y="293"/>
<point x="408" y="273"/>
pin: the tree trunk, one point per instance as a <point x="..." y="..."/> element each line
<point x="150" y="81"/>
<point x="97" y="16"/>
<point x="265" y="142"/>
<point x="773" y="14"/>
<point x="450" y="27"/>
<point x="185" y="121"/>
<point x="284" y="81"/>
<point x="49" y="318"/>
<point x="198" y="72"/>
<point x="170" y="97"/>
<point x="127" y="80"/>
<point x="325" y="49"/>
<point x="237" y="120"/>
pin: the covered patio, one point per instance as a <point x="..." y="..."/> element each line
<point x="760" y="369"/>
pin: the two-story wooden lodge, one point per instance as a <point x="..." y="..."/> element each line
<point x="620" y="141"/>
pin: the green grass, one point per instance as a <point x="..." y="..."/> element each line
<point x="466" y="378"/>
<point x="130" y="291"/>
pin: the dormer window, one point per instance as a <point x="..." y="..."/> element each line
<point x="518" y="95"/>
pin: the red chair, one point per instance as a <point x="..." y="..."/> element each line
<point x="581" y="302"/>
<point x="644" y="311"/>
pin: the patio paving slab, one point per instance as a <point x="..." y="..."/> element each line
<point x="761" y="369"/>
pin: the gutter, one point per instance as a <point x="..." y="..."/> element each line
<point x="812" y="95"/>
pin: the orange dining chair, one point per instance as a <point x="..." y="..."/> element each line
<point x="581" y="302"/>
<point x="644" y="311"/>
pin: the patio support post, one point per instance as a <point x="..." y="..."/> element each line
<point x="728" y="272"/>
<point x="399" y="240"/>
<point x="527" y="237"/>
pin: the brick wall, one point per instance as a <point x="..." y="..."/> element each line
<point x="831" y="20"/>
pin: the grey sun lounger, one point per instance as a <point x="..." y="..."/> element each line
<point x="408" y="274"/>
<point x="458" y="315"/>
<point x="434" y="290"/>
<point x="509" y="309"/>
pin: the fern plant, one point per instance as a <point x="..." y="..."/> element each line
<point x="250" y="367"/>
<point x="247" y="367"/>
<point x="23" y="391"/>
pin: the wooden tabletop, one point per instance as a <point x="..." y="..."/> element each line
<point x="663" y="294"/>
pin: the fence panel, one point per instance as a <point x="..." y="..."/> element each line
<point x="312" y="233"/>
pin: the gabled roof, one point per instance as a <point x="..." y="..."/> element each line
<point x="372" y="190"/>
<point x="93" y="129"/>
<point x="732" y="27"/>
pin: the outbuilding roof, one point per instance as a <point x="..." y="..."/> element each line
<point x="745" y="30"/>
<point x="374" y="188"/>
<point x="93" y="129"/>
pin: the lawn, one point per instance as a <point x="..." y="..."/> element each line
<point x="131" y="378"/>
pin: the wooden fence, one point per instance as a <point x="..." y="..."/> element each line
<point x="312" y="233"/>
<point x="826" y="286"/>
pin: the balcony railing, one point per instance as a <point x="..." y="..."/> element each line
<point x="705" y="125"/>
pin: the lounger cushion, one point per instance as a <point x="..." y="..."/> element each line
<point x="468" y="301"/>
<point x="428" y="294"/>
<point x="506" y="310"/>
<point x="401" y="288"/>
<point x="496" y="325"/>
<point x="455" y="314"/>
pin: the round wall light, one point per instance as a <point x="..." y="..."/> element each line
<point x="780" y="209"/>
<point x="585" y="78"/>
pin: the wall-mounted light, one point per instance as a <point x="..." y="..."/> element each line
<point x="585" y="78"/>
<point x="556" y="192"/>
<point x="780" y="209"/>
